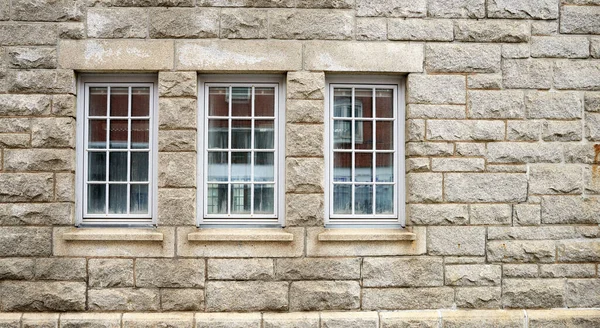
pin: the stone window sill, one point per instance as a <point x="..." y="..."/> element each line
<point x="253" y="235"/>
<point x="341" y="235"/>
<point x="113" y="234"/>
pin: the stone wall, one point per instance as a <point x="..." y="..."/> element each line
<point x="503" y="181"/>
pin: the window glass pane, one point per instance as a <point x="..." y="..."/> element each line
<point x="218" y="133"/>
<point x="241" y="101"/>
<point x="139" y="166"/>
<point x="140" y="134"/>
<point x="384" y="103"/>
<point x="218" y="103"/>
<point x="97" y="166"/>
<point x="140" y="101"/>
<point x="363" y="199"/>
<point x="240" y="134"/>
<point x="240" y="166"/>
<point x="218" y="168"/>
<point x="264" y="199"/>
<point x="97" y="134"/>
<point x="138" y="203"/>
<point x="119" y="101"/>
<point x="264" y="134"/>
<point x="363" y="135"/>
<point x="342" y="167"/>
<point x="363" y="167"/>
<point x="118" y="133"/>
<point x="264" y="166"/>
<point x="96" y="199"/>
<point x="342" y="199"/>
<point x="363" y="103"/>
<point x="385" y="135"/>
<point x="240" y="198"/>
<point x="216" y="199"/>
<point x="342" y="102"/>
<point x="117" y="199"/>
<point x="384" y="199"/>
<point x="384" y="171"/>
<point x="98" y="103"/>
<point x="117" y="170"/>
<point x="264" y="101"/>
<point x="342" y="134"/>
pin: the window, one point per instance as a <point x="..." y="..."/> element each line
<point x="116" y="150"/>
<point x="365" y="152"/>
<point x="240" y="141"/>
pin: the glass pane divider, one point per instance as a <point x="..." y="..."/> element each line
<point x="252" y="132"/>
<point x="373" y="158"/>
<point x="108" y="124"/>
<point x="129" y="133"/>
<point x="229" y="136"/>
<point x="353" y="140"/>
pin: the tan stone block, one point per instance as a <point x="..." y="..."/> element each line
<point x="479" y="297"/>
<point x="177" y="169"/>
<point x="174" y="273"/>
<point x="40" y="320"/>
<point x="337" y="56"/>
<point x="558" y="318"/>
<point x="318" y="268"/>
<point x="487" y="318"/>
<point x="304" y="140"/>
<point x="184" y="23"/>
<point x="41" y="296"/>
<point x="177" y="84"/>
<point x="39" y="160"/>
<point x="239" y="55"/>
<point x="303" y="210"/>
<point x="50" y="81"/>
<point x="25" y="241"/>
<point x="115" y="55"/>
<point x="304" y="111"/>
<point x="311" y="24"/>
<point x="179" y="299"/>
<point x="116" y="23"/>
<point x="114" y="248"/>
<point x="246" y="296"/>
<point x="228" y="320"/>
<point x="305" y="175"/>
<point x="244" y="23"/>
<point x="422" y="319"/>
<point x="324" y="295"/>
<point x="177" y="113"/>
<point x="305" y="85"/>
<point x="174" y="320"/>
<point x="15" y="140"/>
<point x="104" y="320"/>
<point x="176" y="206"/>
<point x="240" y="269"/>
<point x="123" y="299"/>
<point x="407" y="298"/>
<point x="291" y="320"/>
<point x="10" y="320"/>
<point x="349" y="320"/>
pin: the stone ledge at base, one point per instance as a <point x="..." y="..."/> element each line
<point x="373" y="319"/>
<point x="266" y="234"/>
<point x="366" y="235"/>
<point x="113" y="234"/>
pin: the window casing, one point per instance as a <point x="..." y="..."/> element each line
<point x="116" y="150"/>
<point x="240" y="140"/>
<point x="364" y="151"/>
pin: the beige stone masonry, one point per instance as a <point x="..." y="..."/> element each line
<point x="116" y="55"/>
<point x="138" y="320"/>
<point x="210" y="320"/>
<point x="366" y="235"/>
<point x="113" y="234"/>
<point x="267" y="234"/>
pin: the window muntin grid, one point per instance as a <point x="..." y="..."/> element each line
<point x="363" y="153"/>
<point x="240" y="151"/>
<point x="117" y="142"/>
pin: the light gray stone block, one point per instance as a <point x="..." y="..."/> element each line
<point x="456" y="241"/>
<point x="462" y="58"/>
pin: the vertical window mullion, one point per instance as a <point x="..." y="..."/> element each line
<point x="129" y="140"/>
<point x="352" y="141"/>
<point x="374" y="149"/>
<point x="252" y="151"/>
<point x="108" y="124"/>
<point x="230" y="131"/>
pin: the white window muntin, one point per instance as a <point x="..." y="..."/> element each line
<point x="84" y="148"/>
<point x="253" y="82"/>
<point x="397" y="217"/>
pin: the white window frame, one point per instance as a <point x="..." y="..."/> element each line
<point x="276" y="220"/>
<point x="398" y="219"/>
<point x="115" y="80"/>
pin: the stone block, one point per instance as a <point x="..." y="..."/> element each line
<point x="23" y="34"/>
<point x="560" y="47"/>
<point x="318" y="268"/>
<point x="562" y="130"/>
<point x="595" y="47"/>
<point x="418" y="165"/>
<point x="591" y="181"/>
<point x="169" y="273"/>
<point x="117" y="23"/>
<point x="460" y="130"/>
<point x="31" y="57"/>
<point x="17" y="268"/>
<point x="407" y="298"/>
<point x="484" y="81"/>
<point x="42" y="296"/>
<point x="521" y="152"/>
<point x="349" y="320"/>
<point x="563" y="318"/>
<point x="438" y="214"/>
<point x="305" y="85"/>
<point x="520" y="270"/>
<point x="424" y="319"/>
<point x="154" y="3"/>
<point x="523" y="130"/>
<point x="583" y="293"/>
<point x="39" y="160"/>
<point x="429" y="149"/>
<point x="177" y="206"/>
<point x="490" y="214"/>
<point x="116" y="55"/>
<point x="420" y="30"/>
<point x="520" y="251"/>
<point x="246" y="296"/>
<point x="228" y="320"/>
<point x="25" y="241"/>
<point x="110" y="273"/>
<point x="291" y="320"/>
<point x="177" y="140"/>
<point x="15" y="140"/>
<point x="333" y="4"/>
<point x="415" y="130"/>
<point x="240" y="269"/>
<point x="304" y="175"/>
<point x="544" y="9"/>
<point x="183" y="23"/>
<point x="424" y="187"/>
<point x="371" y="29"/>
<point x="463" y="58"/>
<point x="87" y="319"/>
<point x="491" y="31"/>
<point x="40" y="320"/>
<point x="143" y="320"/>
<point x="304" y="140"/>
<point x="515" y="50"/>
<point x="244" y="23"/>
<point x="578" y="250"/>
<point x="474" y="187"/>
<point x="567" y="271"/>
<point x="18" y="187"/>
<point x="484" y="318"/>
<point x="309" y="24"/>
<point x="53" y="132"/>
<point x="542" y="232"/>
<point x="35" y="214"/>
<point x="544" y="27"/>
<point x="238" y="55"/>
<point x="472" y="275"/>
<point x="479" y="298"/>
<point x="436" y="89"/>
<point x="22" y="105"/>
<point x="570" y="210"/>
<point x="592" y="129"/>
<point x="555" y="179"/>
<point x="527" y="214"/>
<point x="402" y="8"/>
<point x="527" y="74"/>
<point x="177" y="169"/>
<point x="533" y="293"/>
<point x="304" y="210"/>
<point x="436" y="111"/>
<point x="458" y="241"/>
<point x="65" y="190"/>
<point x="73" y="269"/>
<point x="579" y="20"/>
<point x="496" y="104"/>
<point x="402" y="272"/>
<point x="457" y="9"/>
<point x="64" y="105"/>
<point x="553" y="105"/>
<point x="123" y="299"/>
<point x="592" y="102"/>
<point x="577" y="74"/>
<point x="41" y="81"/>
<point x="177" y="84"/>
<point x="71" y="30"/>
<point x="15" y="125"/>
<point x="324" y="295"/>
<point x="177" y="299"/>
<point x="579" y="153"/>
<point x="470" y="149"/>
<point x="177" y="113"/>
<point x="45" y="10"/>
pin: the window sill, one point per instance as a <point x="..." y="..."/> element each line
<point x="333" y="235"/>
<point x="113" y="234"/>
<point x="255" y="235"/>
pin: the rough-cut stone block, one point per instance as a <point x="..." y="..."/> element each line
<point x="515" y="50"/>
<point x="457" y="8"/>
<point x="64" y="105"/>
<point x="154" y="3"/>
<point x="22" y="105"/>
<point x="42" y="296"/>
<point x="291" y="320"/>
<point x="424" y="187"/>
<point x="305" y="85"/>
<point x="475" y="187"/>
<point x="496" y="104"/>
<point x="100" y="320"/>
<point x="311" y="24"/>
<point x="147" y="320"/>
<point x="544" y="27"/>
<point x="53" y="132"/>
<point x="402" y="272"/>
<point x="519" y="251"/>
<point x="304" y="140"/>
<point x="520" y="270"/>
<point x="490" y="214"/>
<point x="228" y="320"/>
<point x="238" y="55"/>
<point x="491" y="31"/>
<point x="177" y="299"/>
<point x="349" y="320"/>
<point x="436" y="89"/>
<point x="244" y="23"/>
<point x="48" y="10"/>
<point x="483" y="318"/>
<point x="40" y="320"/>
<point x="177" y="84"/>
<point x="73" y="269"/>
<point x="462" y="57"/>
<point x="304" y="111"/>
<point x="560" y="47"/>
<point x="298" y="214"/>
<point x="177" y="113"/>
<point x="595" y="47"/>
<point x="579" y="153"/>
<point x="177" y="140"/>
<point x="436" y="111"/>
<point x="15" y="140"/>
<point x="240" y="269"/>
<point x="25" y="241"/>
<point x="527" y="74"/>
<point x="526" y="214"/>
<point x="523" y="130"/>
<point x="183" y="23"/>
<point x="479" y="298"/>
<point x="317" y="268"/>
<point x="39" y="160"/>
<point x="71" y="30"/>
<point x="583" y="293"/>
<point x="577" y="74"/>
<point x="123" y="299"/>
<point x="324" y="295"/>
<point x="456" y="240"/>
<point x="521" y="152"/>
<point x="246" y="296"/>
<point x="169" y="273"/>
<point x="304" y="175"/>
<point x="116" y="55"/>
<point x="116" y="23"/>
<point x="35" y="214"/>
<point x="459" y="130"/>
<point x="401" y="319"/>
<point x="438" y="214"/>
<point x="420" y="30"/>
<point x="41" y="81"/>
<point x="415" y="130"/>
<point x="578" y="250"/>
<point x="429" y="149"/>
<point x="16" y="187"/>
<point x="592" y="126"/>
<point x="563" y="130"/>
<point x="401" y="8"/>
<point x="484" y="81"/>
<point x="418" y="165"/>
<point x="177" y="206"/>
<point x="371" y="29"/>
<point x="567" y="270"/>
<point x="579" y="19"/>
<point x="534" y="293"/>
<point x="17" y="269"/>
<point x="31" y="57"/>
<point x="407" y="298"/>
<point x="15" y="125"/>
<point x="28" y="34"/>
<point x="107" y="273"/>
<point x="177" y="169"/>
<point x="544" y="9"/>
<point x="569" y="210"/>
<point x="557" y="318"/>
<point x="555" y="179"/>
